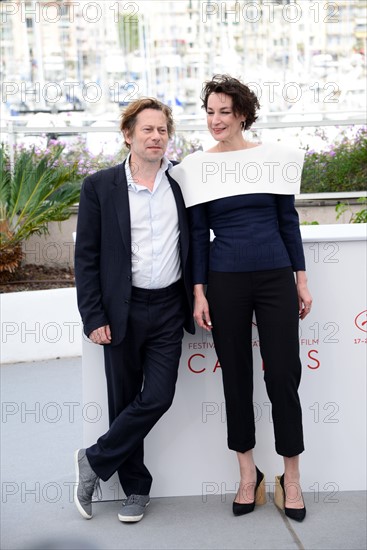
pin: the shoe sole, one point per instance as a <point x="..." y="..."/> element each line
<point x="76" y="500"/>
<point x="260" y="495"/>
<point x="278" y="494"/>
<point x="131" y="519"/>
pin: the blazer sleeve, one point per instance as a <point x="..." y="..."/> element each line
<point x="288" y="221"/>
<point x="200" y="243"/>
<point x="87" y="259"/>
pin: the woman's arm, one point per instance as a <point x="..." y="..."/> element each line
<point x="200" y="243"/>
<point x="288" y="221"/>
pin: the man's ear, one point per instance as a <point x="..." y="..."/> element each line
<point x="127" y="136"/>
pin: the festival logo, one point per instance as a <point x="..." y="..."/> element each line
<point x="361" y="321"/>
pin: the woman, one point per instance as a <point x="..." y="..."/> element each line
<point x="244" y="192"/>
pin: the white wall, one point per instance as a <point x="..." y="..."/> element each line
<point x="40" y="324"/>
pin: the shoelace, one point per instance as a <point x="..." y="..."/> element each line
<point x="132" y="499"/>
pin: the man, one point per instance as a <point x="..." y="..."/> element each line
<point x="134" y="297"/>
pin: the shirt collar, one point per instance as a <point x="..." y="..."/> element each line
<point x="165" y="165"/>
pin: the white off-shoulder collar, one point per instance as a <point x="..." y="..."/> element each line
<point x="267" y="168"/>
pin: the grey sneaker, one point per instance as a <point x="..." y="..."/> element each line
<point x="133" y="508"/>
<point x="87" y="482"/>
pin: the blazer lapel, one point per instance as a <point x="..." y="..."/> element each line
<point x="182" y="221"/>
<point x="121" y="203"/>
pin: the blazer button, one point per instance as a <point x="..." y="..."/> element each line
<point x="127" y="301"/>
<point x="129" y="277"/>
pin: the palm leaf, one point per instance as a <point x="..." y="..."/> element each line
<point x="41" y="190"/>
<point x="4" y="178"/>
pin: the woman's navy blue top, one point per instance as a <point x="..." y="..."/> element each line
<point x="253" y="232"/>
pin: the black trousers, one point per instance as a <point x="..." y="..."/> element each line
<point x="272" y="295"/>
<point x="141" y="377"/>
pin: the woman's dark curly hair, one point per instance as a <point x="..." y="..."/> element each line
<point x="244" y="101"/>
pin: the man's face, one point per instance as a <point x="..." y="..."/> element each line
<point x="149" y="139"/>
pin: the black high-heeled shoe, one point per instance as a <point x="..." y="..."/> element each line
<point x="260" y="497"/>
<point x="297" y="514"/>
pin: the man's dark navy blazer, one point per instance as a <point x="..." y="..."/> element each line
<point x="103" y="252"/>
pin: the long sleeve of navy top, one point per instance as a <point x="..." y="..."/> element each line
<point x="253" y="232"/>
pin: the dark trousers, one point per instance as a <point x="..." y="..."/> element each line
<point x="141" y="377"/>
<point x="272" y="295"/>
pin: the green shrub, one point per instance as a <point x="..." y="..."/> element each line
<point x="355" y="217"/>
<point x="343" y="167"/>
<point x="40" y="188"/>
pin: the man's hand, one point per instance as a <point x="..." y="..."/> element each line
<point x="101" y="335"/>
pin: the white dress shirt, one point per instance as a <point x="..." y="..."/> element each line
<point x="155" y="251"/>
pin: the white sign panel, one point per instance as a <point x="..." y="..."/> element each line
<point x="187" y="452"/>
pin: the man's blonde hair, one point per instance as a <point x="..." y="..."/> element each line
<point x="130" y="114"/>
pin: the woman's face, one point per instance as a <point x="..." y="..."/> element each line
<point x="222" y="123"/>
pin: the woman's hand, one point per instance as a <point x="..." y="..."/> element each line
<point x="201" y="308"/>
<point x="304" y="296"/>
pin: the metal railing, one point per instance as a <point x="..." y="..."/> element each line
<point x="12" y="128"/>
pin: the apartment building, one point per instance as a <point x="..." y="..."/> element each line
<point x="168" y="48"/>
